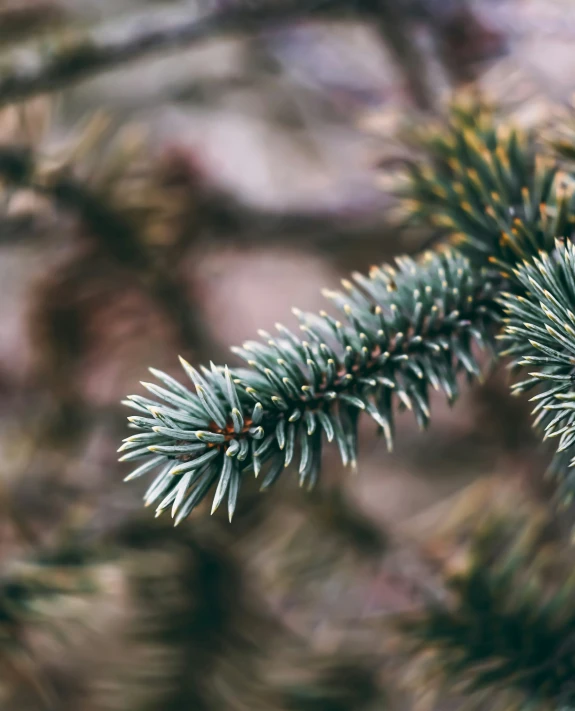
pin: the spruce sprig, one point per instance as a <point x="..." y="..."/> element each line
<point x="403" y="330"/>
<point x="540" y="333"/>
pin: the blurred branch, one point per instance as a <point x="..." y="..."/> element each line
<point x="392" y="23"/>
<point x="20" y="18"/>
<point x="244" y="224"/>
<point x="65" y="60"/>
<point x="114" y="233"/>
<point x="227" y="218"/>
<point x="70" y="60"/>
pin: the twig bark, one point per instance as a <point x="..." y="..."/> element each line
<point x="62" y="62"/>
<point x="391" y="19"/>
<point x="67" y="61"/>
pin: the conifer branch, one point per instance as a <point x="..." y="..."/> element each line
<point x="540" y="334"/>
<point x="407" y="329"/>
<point x="505" y="206"/>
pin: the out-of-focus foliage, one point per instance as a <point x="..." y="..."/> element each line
<point x="485" y="185"/>
<point x="504" y="632"/>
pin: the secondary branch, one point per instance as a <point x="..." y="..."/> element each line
<point x="63" y="61"/>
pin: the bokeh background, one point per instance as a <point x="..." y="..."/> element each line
<point x="228" y="180"/>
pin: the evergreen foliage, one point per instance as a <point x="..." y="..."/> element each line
<point x="487" y="189"/>
<point x="540" y="334"/>
<point x="499" y="203"/>
<point x="196" y="617"/>
<point x="35" y="597"/>
<point x="407" y="329"/>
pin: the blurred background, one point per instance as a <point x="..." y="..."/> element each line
<point x="174" y="204"/>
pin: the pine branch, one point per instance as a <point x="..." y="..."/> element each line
<point x="540" y="333"/>
<point x="504" y="206"/>
<point x="64" y="61"/>
<point x="406" y="329"/>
